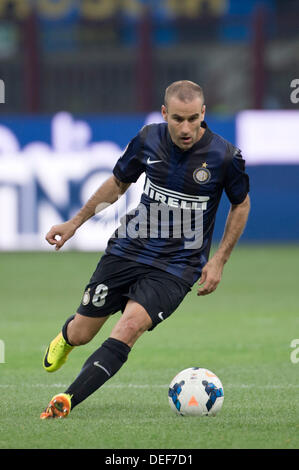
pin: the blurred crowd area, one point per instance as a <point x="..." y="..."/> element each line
<point x="117" y="56"/>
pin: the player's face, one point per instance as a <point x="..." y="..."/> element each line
<point x="184" y="121"/>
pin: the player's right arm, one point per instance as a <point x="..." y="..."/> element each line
<point x="126" y="171"/>
<point x="105" y="195"/>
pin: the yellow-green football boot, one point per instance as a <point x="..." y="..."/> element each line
<point x="56" y="353"/>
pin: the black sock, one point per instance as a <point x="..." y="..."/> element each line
<point x="64" y="329"/>
<point x="98" y="368"/>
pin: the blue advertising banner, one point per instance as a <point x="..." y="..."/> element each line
<point x="51" y="165"/>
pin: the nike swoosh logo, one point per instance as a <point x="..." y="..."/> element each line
<point x="97" y="364"/>
<point x="160" y="315"/>
<point x="150" y="162"/>
<point x="46" y="363"/>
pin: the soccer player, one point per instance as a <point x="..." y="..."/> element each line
<point x="146" y="271"/>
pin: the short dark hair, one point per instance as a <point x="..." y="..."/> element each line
<point x="184" y="90"/>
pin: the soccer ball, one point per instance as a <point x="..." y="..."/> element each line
<point x="196" y="392"/>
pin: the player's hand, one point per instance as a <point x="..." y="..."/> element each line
<point x="210" y="277"/>
<point x="64" y="231"/>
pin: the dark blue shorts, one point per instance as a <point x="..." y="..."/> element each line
<point x="117" y="279"/>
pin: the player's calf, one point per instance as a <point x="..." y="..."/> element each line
<point x="81" y="329"/>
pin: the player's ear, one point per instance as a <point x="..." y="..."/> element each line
<point x="164" y="112"/>
<point x="203" y="111"/>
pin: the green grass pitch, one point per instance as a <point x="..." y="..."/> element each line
<point x="242" y="332"/>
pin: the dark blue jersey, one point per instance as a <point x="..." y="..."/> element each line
<point x="172" y="227"/>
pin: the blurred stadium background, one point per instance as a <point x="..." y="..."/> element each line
<point x="80" y="78"/>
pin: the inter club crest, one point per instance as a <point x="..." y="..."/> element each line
<point x="202" y="175"/>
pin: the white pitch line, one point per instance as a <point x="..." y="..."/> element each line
<point x="142" y="386"/>
<point x="66" y="385"/>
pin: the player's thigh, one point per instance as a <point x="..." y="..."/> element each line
<point x="160" y="293"/>
<point x="103" y="295"/>
<point x="82" y="328"/>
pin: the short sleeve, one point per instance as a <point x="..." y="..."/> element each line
<point x="130" y="165"/>
<point x="236" y="182"/>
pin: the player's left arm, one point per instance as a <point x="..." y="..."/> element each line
<point x="234" y="227"/>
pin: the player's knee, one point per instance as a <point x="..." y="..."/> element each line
<point x="79" y="338"/>
<point x="131" y="325"/>
<point x="131" y="329"/>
